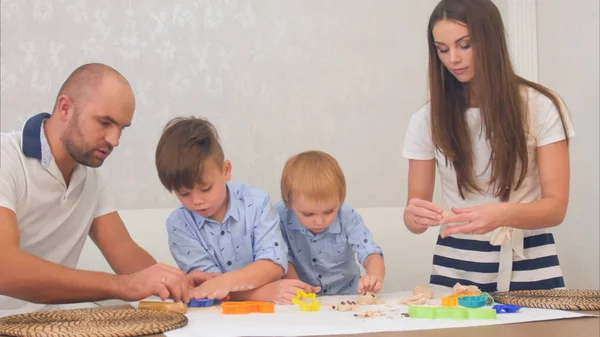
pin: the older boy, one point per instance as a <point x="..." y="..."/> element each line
<point x="227" y="229"/>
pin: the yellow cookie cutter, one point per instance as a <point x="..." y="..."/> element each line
<point x="314" y="305"/>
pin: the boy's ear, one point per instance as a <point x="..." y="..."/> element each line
<point x="227" y="170"/>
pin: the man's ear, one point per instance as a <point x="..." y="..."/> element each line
<point x="64" y="107"/>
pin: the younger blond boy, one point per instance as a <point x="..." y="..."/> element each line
<point x="324" y="235"/>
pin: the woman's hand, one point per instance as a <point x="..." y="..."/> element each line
<point x="480" y="219"/>
<point x="421" y="214"/>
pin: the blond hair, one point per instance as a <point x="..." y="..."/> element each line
<point x="313" y="174"/>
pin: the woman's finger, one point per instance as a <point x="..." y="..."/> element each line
<point x="423" y="212"/>
<point x="427" y="205"/>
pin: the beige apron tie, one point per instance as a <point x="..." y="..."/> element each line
<point x="510" y="240"/>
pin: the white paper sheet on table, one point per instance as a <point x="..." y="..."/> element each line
<point x="290" y="321"/>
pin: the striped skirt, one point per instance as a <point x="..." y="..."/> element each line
<point x="472" y="260"/>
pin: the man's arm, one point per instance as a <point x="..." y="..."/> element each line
<point x="32" y="279"/>
<point x="112" y="238"/>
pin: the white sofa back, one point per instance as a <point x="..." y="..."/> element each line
<point x="407" y="256"/>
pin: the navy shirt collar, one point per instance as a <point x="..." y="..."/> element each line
<point x="32" y="142"/>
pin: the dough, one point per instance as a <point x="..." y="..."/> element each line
<point x="345" y="306"/>
<point x="418" y="299"/>
<point x="422" y="290"/>
<point x="368" y="298"/>
<point x="446" y="214"/>
<point x="369" y="314"/>
<point x="460" y="289"/>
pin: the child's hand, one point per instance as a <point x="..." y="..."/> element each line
<point x="197" y="277"/>
<point x="370" y="284"/>
<point x="284" y="290"/>
<point x="212" y="289"/>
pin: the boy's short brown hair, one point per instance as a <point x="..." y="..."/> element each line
<point x="183" y="148"/>
<point x="313" y="174"/>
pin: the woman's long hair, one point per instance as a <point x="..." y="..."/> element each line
<point x="498" y="95"/>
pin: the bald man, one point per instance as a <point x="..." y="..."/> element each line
<point x="52" y="198"/>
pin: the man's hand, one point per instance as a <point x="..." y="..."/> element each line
<point x="159" y="279"/>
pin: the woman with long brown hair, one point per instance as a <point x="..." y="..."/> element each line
<point x="500" y="144"/>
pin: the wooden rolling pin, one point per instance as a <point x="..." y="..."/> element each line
<point x="163" y="306"/>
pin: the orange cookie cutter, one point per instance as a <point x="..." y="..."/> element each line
<point x="247" y="307"/>
<point x="452" y="300"/>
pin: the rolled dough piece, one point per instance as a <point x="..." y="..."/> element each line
<point x="345" y="306"/>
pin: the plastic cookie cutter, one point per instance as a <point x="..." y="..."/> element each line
<point x="455" y="313"/>
<point x="489" y="300"/>
<point x="472" y="301"/>
<point x="247" y="307"/>
<point x="201" y="303"/>
<point x="500" y="308"/>
<point x="314" y="305"/>
<point x="452" y="300"/>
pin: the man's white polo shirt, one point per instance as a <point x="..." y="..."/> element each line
<point x="53" y="218"/>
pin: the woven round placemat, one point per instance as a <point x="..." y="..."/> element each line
<point x="91" y="322"/>
<point x="561" y="299"/>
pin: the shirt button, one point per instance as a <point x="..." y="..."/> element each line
<point x="314" y="260"/>
<point x="325" y="291"/>
<point x="320" y="276"/>
<point x="276" y="244"/>
<point x="229" y="263"/>
<point x="222" y="232"/>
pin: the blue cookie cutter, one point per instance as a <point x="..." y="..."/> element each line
<point x="506" y="308"/>
<point x="472" y="301"/>
<point x="201" y="303"/>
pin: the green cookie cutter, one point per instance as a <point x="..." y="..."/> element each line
<point x="455" y="313"/>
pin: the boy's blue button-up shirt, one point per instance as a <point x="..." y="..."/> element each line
<point x="328" y="259"/>
<point x="250" y="231"/>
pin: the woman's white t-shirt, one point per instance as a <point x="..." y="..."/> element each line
<point x="471" y="259"/>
